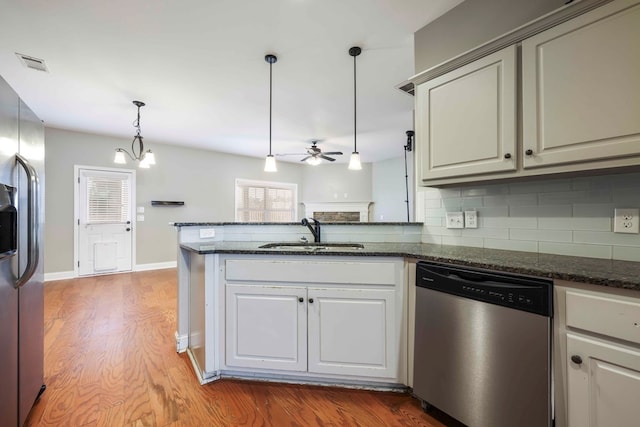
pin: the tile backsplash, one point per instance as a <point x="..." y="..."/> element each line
<point x="566" y="216"/>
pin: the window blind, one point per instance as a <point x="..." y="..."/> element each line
<point x="108" y="200"/>
<point x="258" y="203"/>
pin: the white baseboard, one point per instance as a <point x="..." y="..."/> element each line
<point x="182" y="342"/>
<point x="156" y="266"/>
<point x="59" y="275"/>
<point x="63" y="275"/>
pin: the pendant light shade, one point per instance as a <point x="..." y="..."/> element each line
<point x="145" y="158"/>
<point x="354" y="161"/>
<point x="270" y="161"/>
<point x="270" y="164"/>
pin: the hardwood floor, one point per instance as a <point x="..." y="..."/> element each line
<point x="110" y="360"/>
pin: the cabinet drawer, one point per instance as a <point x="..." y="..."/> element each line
<point x="356" y="272"/>
<point x="616" y="318"/>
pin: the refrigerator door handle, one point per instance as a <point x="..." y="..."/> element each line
<point x="33" y="251"/>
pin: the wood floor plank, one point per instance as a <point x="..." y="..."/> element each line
<point x="110" y="360"/>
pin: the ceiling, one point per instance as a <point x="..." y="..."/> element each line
<point x="199" y="66"/>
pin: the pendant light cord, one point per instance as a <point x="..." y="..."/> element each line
<point x="270" y="100"/>
<point x="355" y="147"/>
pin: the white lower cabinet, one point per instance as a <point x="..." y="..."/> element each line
<point x="602" y="358"/>
<point x="324" y="331"/>
<point x="266" y="327"/>
<point x="351" y="332"/>
<point x="322" y="318"/>
<point x="603" y="383"/>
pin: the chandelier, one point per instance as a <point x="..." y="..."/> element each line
<point x="145" y="158"/>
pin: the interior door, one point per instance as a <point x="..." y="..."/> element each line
<point x="104" y="222"/>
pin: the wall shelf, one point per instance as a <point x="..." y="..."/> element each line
<point x="166" y="203"/>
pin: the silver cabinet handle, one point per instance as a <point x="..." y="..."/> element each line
<point x="33" y="252"/>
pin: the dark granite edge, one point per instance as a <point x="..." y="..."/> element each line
<point x="208" y="224"/>
<point x="554" y="266"/>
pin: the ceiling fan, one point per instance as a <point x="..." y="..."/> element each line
<point x="314" y="154"/>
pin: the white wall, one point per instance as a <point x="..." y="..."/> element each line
<point x="204" y="180"/>
<point x="565" y="216"/>
<point x="389" y="190"/>
<point x="336" y="183"/>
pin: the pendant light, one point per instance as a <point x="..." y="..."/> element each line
<point x="354" y="161"/>
<point x="270" y="161"/>
<point x="147" y="158"/>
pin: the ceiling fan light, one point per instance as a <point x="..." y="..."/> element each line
<point x="119" y="157"/>
<point x="354" y="161"/>
<point x="314" y="161"/>
<point x="270" y="164"/>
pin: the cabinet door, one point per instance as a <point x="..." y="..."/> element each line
<point x="266" y="327"/>
<point x="353" y="332"/>
<point x="581" y="88"/>
<point x="603" y="390"/>
<point x="466" y="119"/>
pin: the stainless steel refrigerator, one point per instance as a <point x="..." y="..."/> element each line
<point x="21" y="257"/>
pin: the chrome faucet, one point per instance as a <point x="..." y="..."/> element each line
<point x="315" y="228"/>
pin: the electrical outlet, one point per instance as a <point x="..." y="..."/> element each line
<point x="455" y="220"/>
<point x="626" y="220"/>
<point x="207" y="233"/>
<point x="470" y="219"/>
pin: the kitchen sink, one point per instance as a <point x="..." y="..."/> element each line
<point x="307" y="246"/>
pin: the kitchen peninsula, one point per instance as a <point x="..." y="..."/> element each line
<point x="250" y="311"/>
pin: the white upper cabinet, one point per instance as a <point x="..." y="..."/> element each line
<point x="568" y="101"/>
<point x="466" y="119"/>
<point x="581" y="88"/>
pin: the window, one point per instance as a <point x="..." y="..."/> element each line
<point x="107" y="199"/>
<point x="262" y="201"/>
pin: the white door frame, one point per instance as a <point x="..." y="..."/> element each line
<point x="76" y="211"/>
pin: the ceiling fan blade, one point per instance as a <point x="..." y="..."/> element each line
<point x="322" y="156"/>
<point x="308" y="157"/>
<point x="290" y="154"/>
<point x="333" y="153"/>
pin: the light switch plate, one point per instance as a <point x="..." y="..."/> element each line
<point x="455" y="220"/>
<point x="626" y="220"/>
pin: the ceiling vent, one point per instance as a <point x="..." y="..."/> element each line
<point x="33" y="63"/>
<point x="407" y="87"/>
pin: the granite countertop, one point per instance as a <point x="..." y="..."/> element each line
<point x="604" y="272"/>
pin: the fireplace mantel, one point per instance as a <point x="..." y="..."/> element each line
<point x="361" y="207"/>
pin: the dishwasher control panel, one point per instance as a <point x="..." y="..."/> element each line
<point x="520" y="292"/>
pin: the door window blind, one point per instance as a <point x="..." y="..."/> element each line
<point x="257" y="202"/>
<point x="107" y="200"/>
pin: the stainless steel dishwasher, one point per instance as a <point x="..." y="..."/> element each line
<point x="483" y="345"/>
